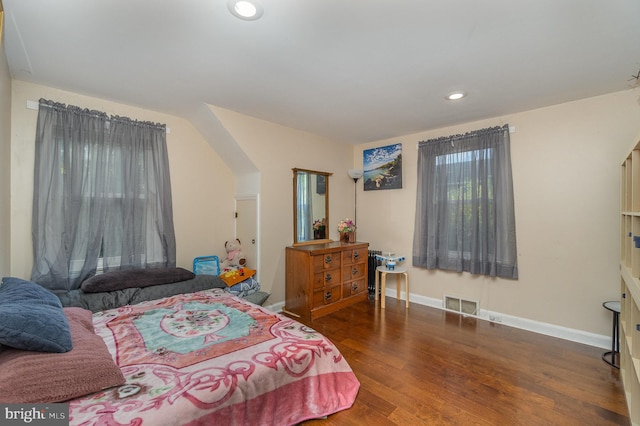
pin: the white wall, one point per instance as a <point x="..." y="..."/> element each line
<point x="566" y="161"/>
<point x="202" y="184"/>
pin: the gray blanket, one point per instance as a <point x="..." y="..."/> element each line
<point x="130" y="296"/>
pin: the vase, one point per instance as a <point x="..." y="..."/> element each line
<point x="348" y="237"/>
<point x="318" y="234"/>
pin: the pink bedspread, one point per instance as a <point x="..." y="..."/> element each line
<point x="210" y="358"/>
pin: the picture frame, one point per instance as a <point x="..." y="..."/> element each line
<point x="383" y="167"/>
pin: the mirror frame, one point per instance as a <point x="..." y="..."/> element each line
<point x="295" y="206"/>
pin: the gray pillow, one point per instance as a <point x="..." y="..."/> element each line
<point x="31" y="318"/>
<point x="258" y="298"/>
<point x="134" y="278"/>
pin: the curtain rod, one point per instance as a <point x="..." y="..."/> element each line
<point x="35" y="105"/>
<point x="512" y="129"/>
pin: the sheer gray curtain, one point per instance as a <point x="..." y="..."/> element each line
<point x="465" y="217"/>
<point x="102" y="196"/>
<point x="305" y="206"/>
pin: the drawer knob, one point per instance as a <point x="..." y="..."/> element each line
<point x="327" y="259"/>
<point x="354" y="271"/>
<point x="354" y="287"/>
<point x="327" y="278"/>
<point x="327" y="296"/>
<point x="356" y="255"/>
<point x="624" y="295"/>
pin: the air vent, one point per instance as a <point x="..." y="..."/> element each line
<point x="461" y="306"/>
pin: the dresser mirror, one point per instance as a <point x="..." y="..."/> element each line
<point x="310" y="206"/>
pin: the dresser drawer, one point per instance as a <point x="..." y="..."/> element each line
<point x="354" y="255"/>
<point x="354" y="287"/>
<point x="326" y="278"/>
<point x="353" y="271"/>
<point x="326" y="296"/>
<point x="326" y="261"/>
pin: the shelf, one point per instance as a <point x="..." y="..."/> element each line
<point x="632" y="284"/>
<point x="630" y="280"/>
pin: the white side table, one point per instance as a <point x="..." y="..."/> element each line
<point x="398" y="271"/>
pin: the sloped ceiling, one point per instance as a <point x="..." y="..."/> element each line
<point x="352" y="71"/>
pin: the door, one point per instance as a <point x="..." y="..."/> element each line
<point x="247" y="228"/>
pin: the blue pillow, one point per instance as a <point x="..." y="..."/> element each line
<point x="31" y="318"/>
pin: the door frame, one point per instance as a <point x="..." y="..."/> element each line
<point x="256" y="198"/>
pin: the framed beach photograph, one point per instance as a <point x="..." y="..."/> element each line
<point x="383" y="167"/>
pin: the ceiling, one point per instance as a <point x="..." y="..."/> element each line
<point x="353" y="71"/>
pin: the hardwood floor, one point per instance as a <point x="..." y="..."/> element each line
<point x="427" y="366"/>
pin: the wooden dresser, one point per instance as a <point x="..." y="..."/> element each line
<point x="322" y="278"/>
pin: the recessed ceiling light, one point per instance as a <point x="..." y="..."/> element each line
<point x="455" y="96"/>
<point x="245" y="9"/>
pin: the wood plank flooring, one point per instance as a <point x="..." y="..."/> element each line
<point x="427" y="366"/>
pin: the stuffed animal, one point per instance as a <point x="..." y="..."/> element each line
<point x="235" y="259"/>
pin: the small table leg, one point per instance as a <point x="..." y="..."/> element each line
<point x="615" y="344"/>
<point x="377" y="283"/>
<point x="406" y="287"/>
<point x="384" y="287"/>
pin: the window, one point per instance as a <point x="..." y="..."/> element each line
<point x="464" y="211"/>
<point x="102" y="197"/>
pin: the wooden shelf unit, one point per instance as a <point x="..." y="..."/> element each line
<point x="322" y="278"/>
<point x="630" y="281"/>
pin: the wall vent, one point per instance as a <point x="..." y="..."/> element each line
<point x="461" y="306"/>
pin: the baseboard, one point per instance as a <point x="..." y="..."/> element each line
<point x="579" y="336"/>
<point x="276" y="307"/>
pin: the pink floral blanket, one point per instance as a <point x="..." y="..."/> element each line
<point x="210" y="358"/>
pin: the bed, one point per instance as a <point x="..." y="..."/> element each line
<point x="201" y="358"/>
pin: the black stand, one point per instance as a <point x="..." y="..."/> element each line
<point x="612" y="357"/>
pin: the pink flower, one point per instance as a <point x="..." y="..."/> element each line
<point x="346" y="225"/>
<point x="318" y="224"/>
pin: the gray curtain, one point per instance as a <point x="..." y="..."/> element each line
<point x="464" y="208"/>
<point x="102" y="196"/>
